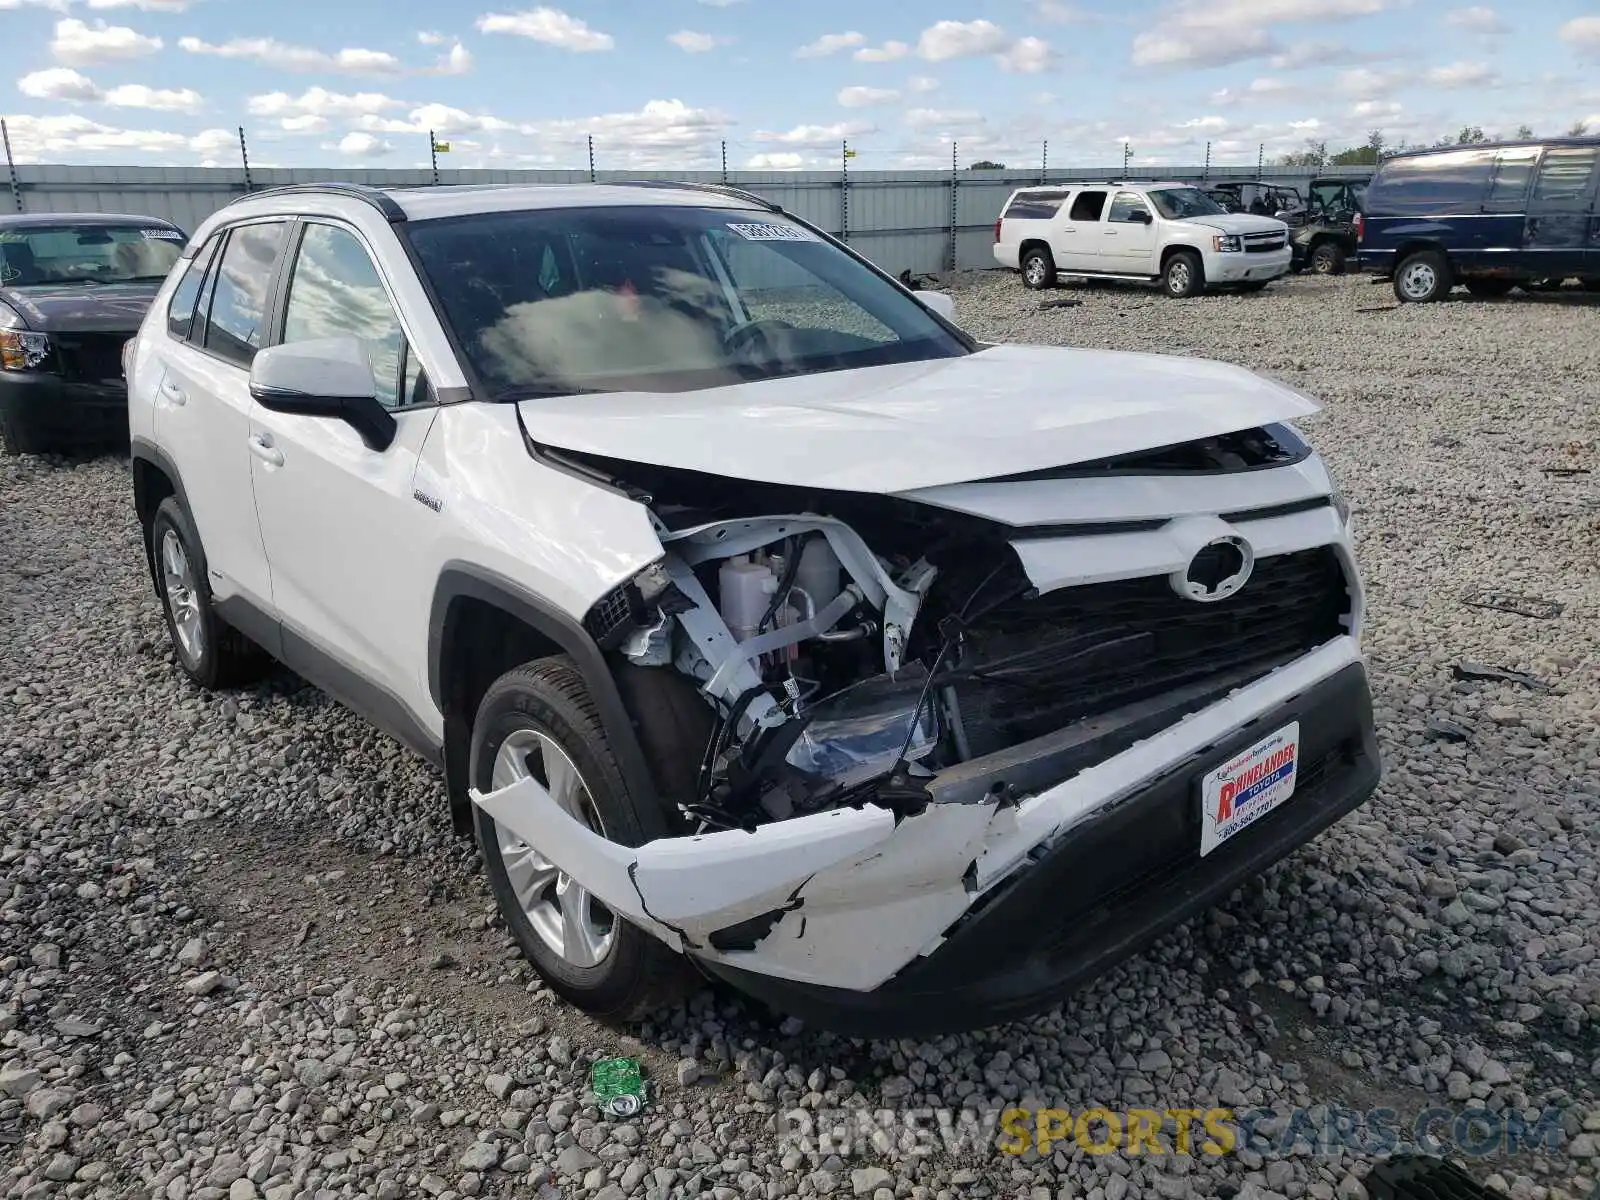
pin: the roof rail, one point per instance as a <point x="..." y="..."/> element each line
<point x="376" y="197"/>
<point x="720" y="189"/>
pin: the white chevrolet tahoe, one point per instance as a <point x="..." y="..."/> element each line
<point x="762" y="622"/>
<point x="1167" y="232"/>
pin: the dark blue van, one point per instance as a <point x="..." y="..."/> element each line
<point x="1490" y="217"/>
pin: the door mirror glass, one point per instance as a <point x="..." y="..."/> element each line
<point x="1141" y="215"/>
<point x="324" y="377"/>
<point x="939" y="302"/>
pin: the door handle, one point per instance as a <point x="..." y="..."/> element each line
<point x="175" y="394"/>
<point x="261" y="446"/>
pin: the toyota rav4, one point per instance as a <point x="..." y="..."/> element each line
<point x="761" y="620"/>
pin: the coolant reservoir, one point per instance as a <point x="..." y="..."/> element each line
<point x="744" y="589"/>
<point x="819" y="573"/>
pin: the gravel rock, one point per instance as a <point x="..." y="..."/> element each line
<point x="218" y="908"/>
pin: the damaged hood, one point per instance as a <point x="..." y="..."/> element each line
<point x="1004" y="410"/>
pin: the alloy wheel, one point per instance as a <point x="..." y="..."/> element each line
<point x="178" y="582"/>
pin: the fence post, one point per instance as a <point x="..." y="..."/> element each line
<point x="11" y="166"/>
<point x="591" y="158"/>
<point x="1261" y="158"/>
<point x="1127" y="153"/>
<point x="955" y="180"/>
<point x="1206" y="171"/>
<point x="433" y="156"/>
<point x="1044" y="162"/>
<point x="244" y="159"/>
<point x="724" y="164"/>
<point x="844" y="191"/>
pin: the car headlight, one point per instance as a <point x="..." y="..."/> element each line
<point x="1226" y="243"/>
<point x="21" y="350"/>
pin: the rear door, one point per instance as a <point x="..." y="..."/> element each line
<point x="1076" y="239"/>
<point x="1129" y="242"/>
<point x="1505" y="208"/>
<point x="1026" y="218"/>
<point x="1560" y="229"/>
<point x="202" y="410"/>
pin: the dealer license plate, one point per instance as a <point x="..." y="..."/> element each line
<point x="1248" y="786"/>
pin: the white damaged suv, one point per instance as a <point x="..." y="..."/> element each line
<point x="763" y="623"/>
<point x="1168" y="233"/>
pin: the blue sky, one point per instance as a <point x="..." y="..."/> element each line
<point x="662" y="83"/>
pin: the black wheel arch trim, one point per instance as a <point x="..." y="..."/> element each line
<point x="459" y="580"/>
<point x="143" y="450"/>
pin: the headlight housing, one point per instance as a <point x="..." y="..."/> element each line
<point x="20" y="348"/>
<point x="1226" y="243"/>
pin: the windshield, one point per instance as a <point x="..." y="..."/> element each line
<point x="88" y="253"/>
<point x="1179" y="204"/>
<point x="661" y="298"/>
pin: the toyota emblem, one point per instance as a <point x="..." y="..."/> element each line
<point x="1218" y="570"/>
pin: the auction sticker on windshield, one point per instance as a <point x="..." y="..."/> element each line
<point x="772" y="233"/>
<point x="1247" y="787"/>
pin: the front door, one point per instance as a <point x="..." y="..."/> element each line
<point x="1560" y="230"/>
<point x="337" y="516"/>
<point x="1129" y="242"/>
<point x="1076" y="243"/>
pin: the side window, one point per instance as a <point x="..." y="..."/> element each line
<point x="238" y="315"/>
<point x="335" y="291"/>
<point x="1087" y="206"/>
<point x="1125" y="205"/>
<point x="181" y="308"/>
<point x="1450" y="183"/>
<point x="1564" y="174"/>
<point x="1034" y="206"/>
<point x="1512" y="171"/>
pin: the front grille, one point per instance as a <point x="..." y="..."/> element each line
<point x="90" y="357"/>
<point x="1033" y="666"/>
<point x="1262" y="243"/>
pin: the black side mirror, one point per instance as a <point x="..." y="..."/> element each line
<point x="1140" y="215"/>
<point x="325" y="377"/>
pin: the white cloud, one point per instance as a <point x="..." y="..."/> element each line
<point x="923" y="118"/>
<point x="1479" y="19"/>
<point x="165" y="6"/>
<point x="304" y="124"/>
<point x="1367" y="83"/>
<point x="35" y="138"/>
<point x="61" y="84"/>
<point x="781" y="160"/>
<point x="1060" y="13"/>
<point x="458" y="61"/>
<point x="831" y="43"/>
<point x="1369" y="110"/>
<point x="285" y="57"/>
<point x="214" y="141"/>
<point x="429" y="38"/>
<point x="1213" y="33"/>
<point x="922" y="84"/>
<point x="361" y="145"/>
<point x="1584" y="33"/>
<point x="318" y="103"/>
<point x="137" y="95"/>
<point x="888" y="52"/>
<point x="1264" y="88"/>
<point x="818" y="135"/>
<point x="866" y="97"/>
<point x="79" y="45"/>
<point x="550" y="26"/>
<point x="945" y="40"/>
<point x="1321" y="54"/>
<point x="1463" y="75"/>
<point x="662" y="135"/>
<point x="691" y="42"/>
<point x="1028" y="56"/>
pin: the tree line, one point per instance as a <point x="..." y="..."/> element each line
<point x="1377" y="147"/>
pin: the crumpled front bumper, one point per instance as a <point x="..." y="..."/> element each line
<point x="983" y="908"/>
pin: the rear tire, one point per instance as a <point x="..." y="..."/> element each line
<point x="1038" y="269"/>
<point x="540" y="714"/>
<point x="1327" y="258"/>
<point x="210" y="651"/>
<point x="1489" y="289"/>
<point x="1423" y="278"/>
<point x="1184" y="275"/>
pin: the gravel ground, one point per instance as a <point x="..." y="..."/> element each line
<point x="241" y="954"/>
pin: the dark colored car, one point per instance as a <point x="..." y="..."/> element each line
<point x="1324" y="238"/>
<point x="73" y="289"/>
<point x="1491" y="217"/>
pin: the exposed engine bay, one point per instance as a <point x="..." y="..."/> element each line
<point x="852" y="646"/>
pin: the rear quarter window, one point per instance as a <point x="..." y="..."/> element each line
<point x="1431" y="184"/>
<point x="1034" y="206"/>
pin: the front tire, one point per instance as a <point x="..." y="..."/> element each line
<point x="210" y="652"/>
<point x="1423" y="278"/>
<point x="1328" y="259"/>
<point x="15" y="438"/>
<point x="1038" y="269"/>
<point x="1184" y="275"/>
<point x="538" y="720"/>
